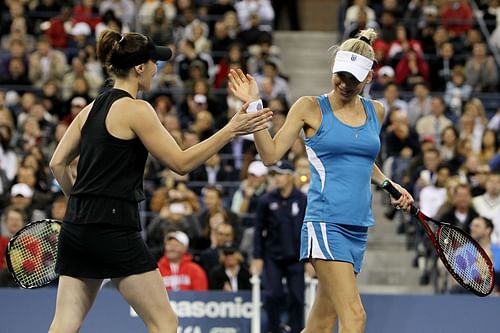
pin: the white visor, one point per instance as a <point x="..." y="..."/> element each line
<point x="353" y="63"/>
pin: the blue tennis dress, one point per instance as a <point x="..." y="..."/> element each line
<point x="338" y="212"/>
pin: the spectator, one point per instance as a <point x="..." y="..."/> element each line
<point x="210" y="257"/>
<point x="434" y="123"/>
<point x="462" y="212"/>
<point x="21" y="197"/>
<point x="279" y="86"/>
<point x="231" y="274"/>
<point x="489" y="145"/>
<point x="276" y="247"/>
<point x="427" y="173"/>
<point x="213" y="214"/>
<point x="402" y="44"/>
<point x="178" y="270"/>
<point x="264" y="52"/>
<point x="391" y="99"/>
<point x="58" y="28"/>
<point x="46" y="63"/>
<point x="87" y="11"/>
<point x="8" y="162"/>
<point x="246" y="197"/>
<point x="442" y="66"/>
<point x="457" y="91"/>
<point x="263" y="8"/>
<point x="433" y="196"/>
<point x="58" y="208"/>
<point x="77" y="105"/>
<point x="457" y="17"/>
<point x="481" y="229"/>
<point x="448" y="149"/>
<point x="412" y="69"/>
<point x="353" y="12"/>
<point x="420" y="105"/>
<point x="176" y="212"/>
<point x="400" y="139"/>
<point x="488" y="204"/>
<point x="160" y="29"/>
<point x="384" y="76"/>
<point x="16" y="50"/>
<point x="482" y="73"/>
<point x="149" y="11"/>
<point x="123" y="10"/>
<point x="78" y="70"/>
<point x="13" y="219"/>
<point x="17" y="74"/>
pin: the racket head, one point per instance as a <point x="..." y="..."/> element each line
<point x="32" y="253"/>
<point x="465" y="259"/>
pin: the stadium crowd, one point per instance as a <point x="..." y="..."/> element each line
<point x="435" y="74"/>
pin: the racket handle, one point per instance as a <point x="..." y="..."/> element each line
<point x="387" y="185"/>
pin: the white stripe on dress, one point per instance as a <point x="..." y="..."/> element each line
<point x="325" y="239"/>
<point x="316" y="250"/>
<point x="317" y="164"/>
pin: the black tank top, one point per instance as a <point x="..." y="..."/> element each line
<point x="109" y="181"/>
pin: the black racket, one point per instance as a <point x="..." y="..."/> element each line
<point x="32" y="252"/>
<point x="462" y="256"/>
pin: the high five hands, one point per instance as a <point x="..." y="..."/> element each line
<point x="243" y="86"/>
<point x="246" y="89"/>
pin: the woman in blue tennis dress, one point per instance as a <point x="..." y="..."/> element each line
<point x="342" y="141"/>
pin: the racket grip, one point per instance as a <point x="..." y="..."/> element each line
<point x="387" y="185"/>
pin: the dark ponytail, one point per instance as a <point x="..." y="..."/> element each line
<point x="113" y="47"/>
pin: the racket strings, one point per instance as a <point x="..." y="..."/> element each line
<point x="466" y="260"/>
<point x="33" y="254"/>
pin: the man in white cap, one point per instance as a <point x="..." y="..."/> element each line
<point x="177" y="268"/>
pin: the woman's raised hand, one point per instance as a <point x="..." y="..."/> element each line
<point x="243" y="86"/>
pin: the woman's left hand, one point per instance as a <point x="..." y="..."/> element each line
<point x="243" y="86"/>
<point x="405" y="201"/>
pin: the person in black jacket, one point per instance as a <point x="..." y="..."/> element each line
<point x="231" y="274"/>
<point x="276" y="247"/>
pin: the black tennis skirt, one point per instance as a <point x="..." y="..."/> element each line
<point x="102" y="251"/>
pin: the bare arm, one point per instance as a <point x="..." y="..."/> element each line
<point x="270" y="149"/>
<point x="163" y="146"/>
<point x="67" y="150"/>
<point x="378" y="176"/>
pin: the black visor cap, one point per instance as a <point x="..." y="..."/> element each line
<point x="150" y="52"/>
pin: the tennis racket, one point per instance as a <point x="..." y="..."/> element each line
<point x="32" y="252"/>
<point x="462" y="256"/>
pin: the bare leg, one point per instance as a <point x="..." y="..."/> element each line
<point x="147" y="295"/>
<point x="74" y="299"/>
<point x="322" y="317"/>
<point x="340" y="297"/>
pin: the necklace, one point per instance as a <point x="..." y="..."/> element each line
<point x="343" y="119"/>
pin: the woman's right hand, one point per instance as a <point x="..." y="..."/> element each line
<point x="243" y="86"/>
<point x="246" y="123"/>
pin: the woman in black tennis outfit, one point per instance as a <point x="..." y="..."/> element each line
<point x="112" y="136"/>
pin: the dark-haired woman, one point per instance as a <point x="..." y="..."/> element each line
<point x="112" y="137"/>
<point x="342" y="142"/>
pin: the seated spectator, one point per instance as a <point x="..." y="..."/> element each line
<point x="420" y="105"/>
<point x="86" y="11"/>
<point x="434" y="123"/>
<point x="176" y="212"/>
<point x="58" y="208"/>
<point x="457" y="17"/>
<point x="489" y="145"/>
<point x="402" y="44"/>
<point x="425" y="174"/>
<point x="210" y="257"/>
<point x="17" y="50"/>
<point x="148" y="13"/>
<point x="279" y="86"/>
<point x="12" y="220"/>
<point x="262" y="8"/>
<point x="481" y="229"/>
<point x="178" y="270"/>
<point x="411" y="69"/>
<point x="400" y="139"/>
<point x="21" y="197"/>
<point x="448" y="149"/>
<point x="160" y="29"/>
<point x="391" y="99"/>
<point x="46" y="63"/>
<point x="210" y="173"/>
<point x="457" y="91"/>
<point x="352" y="13"/>
<point x="442" y="66"/>
<point x="482" y="72"/>
<point x="462" y="212"/>
<point x="245" y="198"/>
<point x="433" y="196"/>
<point x="8" y="157"/>
<point x="231" y="274"/>
<point x="213" y="214"/>
<point x="123" y="9"/>
<point x="58" y="28"/>
<point x="17" y="74"/>
<point x="263" y="53"/>
<point x="488" y="204"/>
<point x="383" y="76"/>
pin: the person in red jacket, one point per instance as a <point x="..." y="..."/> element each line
<point x="177" y="268"/>
<point x="457" y="17"/>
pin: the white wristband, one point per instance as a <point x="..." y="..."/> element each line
<point x="255" y="106"/>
